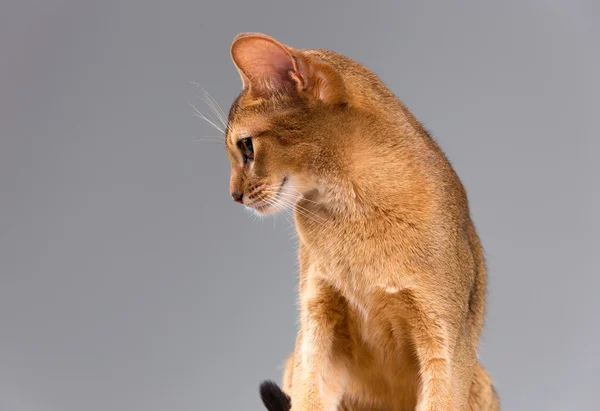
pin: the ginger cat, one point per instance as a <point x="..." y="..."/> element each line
<point x="392" y="274"/>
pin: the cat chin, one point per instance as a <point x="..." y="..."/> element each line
<point x="265" y="211"/>
<point x="261" y="211"/>
<point x="283" y="199"/>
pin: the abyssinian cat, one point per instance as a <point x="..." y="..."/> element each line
<point x="392" y="274"/>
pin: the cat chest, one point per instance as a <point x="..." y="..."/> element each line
<point x="379" y="342"/>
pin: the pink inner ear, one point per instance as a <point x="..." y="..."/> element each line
<point x="265" y="63"/>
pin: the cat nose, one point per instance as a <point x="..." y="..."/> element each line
<point x="237" y="196"/>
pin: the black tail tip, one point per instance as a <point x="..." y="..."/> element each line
<point x="273" y="397"/>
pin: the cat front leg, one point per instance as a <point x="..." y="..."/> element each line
<point x="319" y="374"/>
<point x="444" y="358"/>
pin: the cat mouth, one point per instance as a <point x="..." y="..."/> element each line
<point x="273" y="202"/>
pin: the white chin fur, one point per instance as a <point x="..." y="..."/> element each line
<point x="286" y="199"/>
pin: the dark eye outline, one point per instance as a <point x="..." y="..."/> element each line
<point x="247" y="149"/>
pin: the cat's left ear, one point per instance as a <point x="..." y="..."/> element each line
<point x="268" y="67"/>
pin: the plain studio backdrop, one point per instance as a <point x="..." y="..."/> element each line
<point x="129" y="280"/>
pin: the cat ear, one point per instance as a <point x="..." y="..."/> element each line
<point x="265" y="65"/>
<point x="268" y="67"/>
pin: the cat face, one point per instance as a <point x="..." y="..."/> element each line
<point x="267" y="154"/>
<point x="274" y="136"/>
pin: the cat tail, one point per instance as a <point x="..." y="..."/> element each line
<point x="274" y="398"/>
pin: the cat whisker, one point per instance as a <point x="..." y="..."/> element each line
<point x="279" y="203"/>
<point x="214" y="107"/>
<point x="304" y="198"/>
<point x="285" y="200"/>
<point x="197" y="113"/>
<point x="309" y="214"/>
<point x="274" y="204"/>
<point x="211" y="102"/>
<point x="292" y="198"/>
<point x="303" y="211"/>
<point x="298" y="193"/>
<point x="285" y="214"/>
<point x="288" y="209"/>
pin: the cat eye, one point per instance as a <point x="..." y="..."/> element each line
<point x="247" y="149"/>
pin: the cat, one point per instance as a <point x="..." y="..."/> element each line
<point x="392" y="274"/>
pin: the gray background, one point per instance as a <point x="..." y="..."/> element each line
<point x="131" y="281"/>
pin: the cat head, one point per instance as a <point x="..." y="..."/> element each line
<point x="281" y="125"/>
